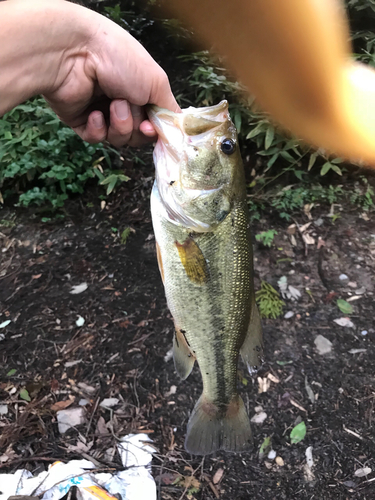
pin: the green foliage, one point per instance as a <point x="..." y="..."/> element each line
<point x="363" y="195"/>
<point x="265" y="447"/>
<point x="125" y="235"/>
<point x="43" y="161"/>
<point x="298" y="433"/>
<point x="266" y="237"/>
<point x="269" y="302"/>
<point x="24" y="394"/>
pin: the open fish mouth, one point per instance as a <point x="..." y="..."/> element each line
<point x="192" y="124"/>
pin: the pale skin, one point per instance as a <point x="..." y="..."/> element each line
<point x="95" y="75"/>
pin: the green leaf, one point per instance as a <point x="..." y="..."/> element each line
<point x="325" y="168"/>
<point x="336" y="169"/>
<point x="11" y="372"/>
<point x="259" y="129"/>
<point x="270" y="134"/>
<point x="264" y="446"/>
<point x="24" y="394"/>
<point x="312" y="161"/>
<point x="344" y="306"/>
<point x="298" y="433"/>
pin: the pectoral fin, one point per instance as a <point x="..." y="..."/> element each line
<point x="252" y="348"/>
<point x="182" y="355"/>
<point x="193" y="260"/>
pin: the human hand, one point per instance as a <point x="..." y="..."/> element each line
<point x="103" y="86"/>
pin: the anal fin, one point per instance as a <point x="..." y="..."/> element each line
<point x="182" y="355"/>
<point x="252" y="348"/>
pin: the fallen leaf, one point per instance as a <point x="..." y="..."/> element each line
<point x="344" y="306"/>
<point x="24" y="394"/>
<point x="218" y="476"/>
<point x="298" y="433"/>
<point x="61" y="405"/>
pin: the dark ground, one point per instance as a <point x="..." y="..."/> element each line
<point x="127" y="333"/>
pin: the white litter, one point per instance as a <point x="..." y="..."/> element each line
<point x="364" y="332"/>
<point x="309" y="457"/>
<point x="168" y="356"/>
<point x="323" y="345"/>
<point x="344" y="322"/>
<point x="3" y="409"/>
<point x="134" y="483"/>
<point x="109" y="402"/>
<point x="78" y="288"/>
<point x="289" y="314"/>
<point x="5" y="323"/>
<point x="259" y="418"/>
<point x="356" y="351"/>
<point x="71" y="417"/>
<point x="80" y="321"/>
<point x="288" y="291"/>
<point x="343" y="277"/>
<point x="272" y="455"/>
<point x="365" y="471"/>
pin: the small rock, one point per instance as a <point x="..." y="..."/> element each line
<point x="323" y="345"/>
<point x="272" y="455"/>
<point x="352" y="284"/>
<point x="343" y="277"/>
<point x="289" y="314"/>
<point x="70" y="418"/>
<point x="171" y="391"/>
<point x="365" y="471"/>
<point x="279" y="461"/>
<point x="318" y="222"/>
<point x="360" y="291"/>
<point x="259" y="418"/>
<point x="364" y="332"/>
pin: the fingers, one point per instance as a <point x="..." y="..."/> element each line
<point x="161" y="93"/>
<point x="127" y="125"/>
<point x="95" y="130"/>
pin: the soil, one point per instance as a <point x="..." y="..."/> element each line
<point x="122" y="351"/>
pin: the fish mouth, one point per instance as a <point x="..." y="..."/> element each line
<point x="174" y="129"/>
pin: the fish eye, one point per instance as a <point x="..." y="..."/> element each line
<point x="228" y="146"/>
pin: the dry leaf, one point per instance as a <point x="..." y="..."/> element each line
<point x="61" y="405"/>
<point x="218" y="476"/>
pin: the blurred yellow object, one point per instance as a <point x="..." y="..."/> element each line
<point x="295" y="57"/>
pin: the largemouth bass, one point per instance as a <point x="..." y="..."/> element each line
<point x="201" y="225"/>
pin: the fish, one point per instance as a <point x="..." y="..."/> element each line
<point x="204" y="252"/>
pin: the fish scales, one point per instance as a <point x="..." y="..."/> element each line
<point x="205" y="258"/>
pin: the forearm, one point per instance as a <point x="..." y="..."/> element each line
<point x="40" y="41"/>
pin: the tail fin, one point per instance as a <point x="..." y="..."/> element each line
<point x="211" y="428"/>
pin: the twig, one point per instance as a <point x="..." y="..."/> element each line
<point x="92" y="416"/>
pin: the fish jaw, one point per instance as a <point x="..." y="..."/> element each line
<point x="193" y="183"/>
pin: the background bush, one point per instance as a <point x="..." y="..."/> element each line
<point x="43" y="162"/>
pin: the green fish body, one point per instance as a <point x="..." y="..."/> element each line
<point x="201" y="226"/>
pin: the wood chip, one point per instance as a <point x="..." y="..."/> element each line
<point x="297" y="405"/>
<point x="279" y="461"/>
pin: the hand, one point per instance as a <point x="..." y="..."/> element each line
<point x="96" y="76"/>
<point x="104" y="91"/>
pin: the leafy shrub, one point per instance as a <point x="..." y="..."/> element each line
<point x="44" y="161"/>
<point x="269" y="302"/>
<point x="266" y="237"/>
